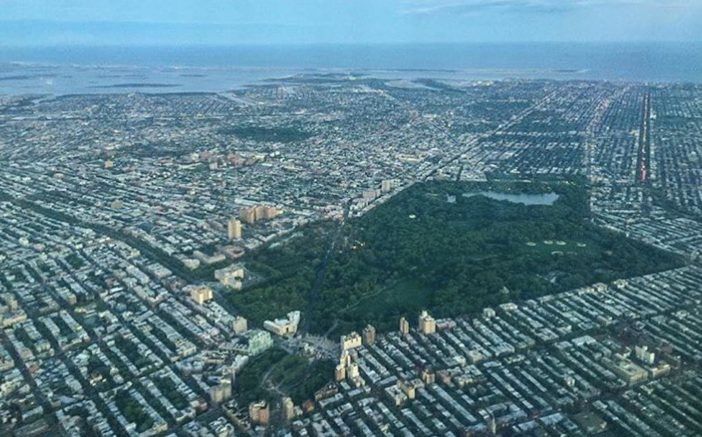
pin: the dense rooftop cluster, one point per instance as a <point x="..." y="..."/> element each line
<point x="117" y="256"/>
<point x="528" y="368"/>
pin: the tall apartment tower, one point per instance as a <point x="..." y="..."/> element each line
<point x="404" y="326"/>
<point x="340" y="372"/>
<point x="288" y="408"/>
<point x="386" y="185"/>
<point x="248" y="215"/>
<point x="266" y="212"/>
<point x="259" y="412"/>
<point x="427" y="324"/>
<point x="369" y="334"/>
<point x="234" y="229"/>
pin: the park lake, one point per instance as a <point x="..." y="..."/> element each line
<point x="523" y="198"/>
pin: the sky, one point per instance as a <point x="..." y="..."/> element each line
<point x="275" y="22"/>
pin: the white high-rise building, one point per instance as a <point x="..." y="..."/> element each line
<point x="427" y="324"/>
<point x="234" y="229"/>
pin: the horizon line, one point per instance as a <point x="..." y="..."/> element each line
<point x="340" y="44"/>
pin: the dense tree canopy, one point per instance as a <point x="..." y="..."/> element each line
<point x="434" y="247"/>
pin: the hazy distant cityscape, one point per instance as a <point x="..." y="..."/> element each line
<point x="90" y="70"/>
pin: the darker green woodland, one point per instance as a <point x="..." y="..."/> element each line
<point x="442" y="246"/>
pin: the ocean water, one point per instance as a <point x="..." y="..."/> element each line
<point x="70" y="70"/>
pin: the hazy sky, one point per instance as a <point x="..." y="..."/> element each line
<point x="231" y="22"/>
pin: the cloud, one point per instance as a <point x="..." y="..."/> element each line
<point x="468" y="6"/>
<point x="460" y="7"/>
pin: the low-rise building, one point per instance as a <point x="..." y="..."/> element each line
<point x="284" y="326"/>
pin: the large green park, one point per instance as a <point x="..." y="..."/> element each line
<point x="450" y="247"/>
